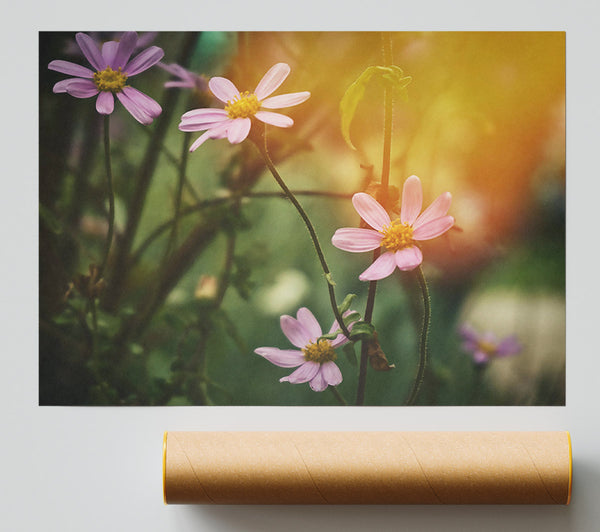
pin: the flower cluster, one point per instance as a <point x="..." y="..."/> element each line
<point x="112" y="67"/>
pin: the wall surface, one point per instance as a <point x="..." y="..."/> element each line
<point x="97" y="469"/>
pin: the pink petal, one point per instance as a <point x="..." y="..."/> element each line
<point x="275" y="119"/>
<point x="105" y="103"/>
<point x="434" y="228"/>
<point x="238" y="130"/>
<point x="271" y="81"/>
<point x="125" y="48"/>
<point x="480" y="357"/>
<point x="356" y="239"/>
<point x="508" y="346"/>
<point x="77" y="87"/>
<point x="200" y="125"/>
<point x="205" y="115"/>
<point x="304" y="373"/>
<point x="295" y="332"/>
<point x="412" y="200"/>
<point x="144" y="60"/>
<point x="223" y="89"/>
<point x="408" y="258"/>
<point x="284" y="358"/>
<point x="218" y="131"/>
<point x="71" y="69"/>
<point x="340" y="339"/>
<point x="109" y="51"/>
<point x="370" y="211"/>
<point x="149" y="105"/>
<point x="285" y="100"/>
<point x="331" y="373"/>
<point x="133" y="105"/>
<point x="90" y="50"/>
<point x="382" y="267"/>
<point x="310" y="323"/>
<point x="318" y="382"/>
<point x="437" y="209"/>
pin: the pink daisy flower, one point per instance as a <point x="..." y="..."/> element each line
<point x="315" y="360"/>
<point x="234" y="121"/>
<point x="185" y="78"/>
<point x="112" y="68"/>
<point x="485" y="346"/>
<point x="399" y="238"/>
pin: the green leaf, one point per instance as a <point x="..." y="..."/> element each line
<point x="362" y="330"/>
<point x="346" y="303"/>
<point x="355" y="93"/>
<point x="329" y="278"/>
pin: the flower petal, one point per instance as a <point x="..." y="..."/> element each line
<point x="480" y="357"/>
<point x="223" y="89"/>
<point x="143" y="100"/>
<point x="218" y="131"/>
<point x="508" y="346"/>
<point x="434" y="228"/>
<point x="205" y="115"/>
<point x="412" y="200"/>
<point x="310" y="323"/>
<point x="271" y="81"/>
<point x="340" y="339"/>
<point x="238" y="130"/>
<point x="77" y="87"/>
<point x="437" y="209"/>
<point x="331" y="373"/>
<point x="285" y="100"/>
<point x="295" y="332"/>
<point x="144" y="60"/>
<point x="275" y="119"/>
<point x="71" y="69"/>
<point x="284" y="358"/>
<point x="125" y="48"/>
<point x="90" y="50"/>
<point x="318" y="382"/>
<point x="370" y="210"/>
<point x="408" y="258"/>
<point x="109" y="51"/>
<point x="356" y="239"/>
<point x="304" y="373"/>
<point x="105" y="103"/>
<point x="382" y="267"/>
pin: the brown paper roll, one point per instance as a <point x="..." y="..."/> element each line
<point x="367" y="467"/>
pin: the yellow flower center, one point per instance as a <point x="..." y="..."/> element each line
<point x="320" y="352"/>
<point x="110" y="80"/>
<point x="397" y="236"/>
<point x="488" y="348"/>
<point x="244" y="106"/>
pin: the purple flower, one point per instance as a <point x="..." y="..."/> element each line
<point x="315" y="359"/>
<point x="187" y="79"/>
<point x="234" y="121"/>
<point x="486" y="346"/>
<point x="112" y="68"/>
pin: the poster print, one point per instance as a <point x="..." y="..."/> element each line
<point x="302" y="218"/>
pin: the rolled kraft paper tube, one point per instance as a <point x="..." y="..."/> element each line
<point x="367" y="467"/>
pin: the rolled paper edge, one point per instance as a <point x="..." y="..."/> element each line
<point x="570" y="468"/>
<point x="165" y="475"/>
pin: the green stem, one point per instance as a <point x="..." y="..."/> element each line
<point x="179" y="193"/>
<point x="338" y="395"/>
<point x="311" y="230"/>
<point x="383" y="198"/>
<point x="111" y="196"/>
<point x="424" y="334"/>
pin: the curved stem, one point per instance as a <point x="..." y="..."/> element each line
<point x="424" y="335"/>
<point x="338" y="395"/>
<point x="178" y="194"/>
<point x="111" y="196"/>
<point x="311" y="230"/>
